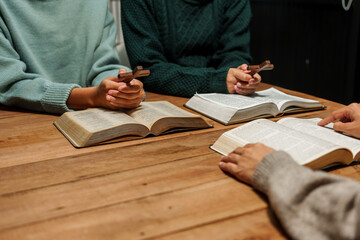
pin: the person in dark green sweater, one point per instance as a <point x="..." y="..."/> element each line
<point x="190" y="45"/>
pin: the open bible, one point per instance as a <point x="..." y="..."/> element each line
<point x="308" y="143"/>
<point x="235" y="108"/>
<point x="93" y="126"/>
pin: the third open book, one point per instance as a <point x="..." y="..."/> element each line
<point x="308" y="143"/>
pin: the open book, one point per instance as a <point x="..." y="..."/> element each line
<point x="308" y="143"/>
<point x="235" y="108"/>
<point x="97" y="125"/>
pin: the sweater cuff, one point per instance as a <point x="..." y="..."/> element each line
<point x="272" y="162"/>
<point x="218" y="81"/>
<point x="55" y="97"/>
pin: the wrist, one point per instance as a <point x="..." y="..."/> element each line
<point x="82" y="98"/>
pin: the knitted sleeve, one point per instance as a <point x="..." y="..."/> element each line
<point x="105" y="58"/>
<point x="144" y="47"/>
<point x="309" y="205"/>
<point x="27" y="90"/>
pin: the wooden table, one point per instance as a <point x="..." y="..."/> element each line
<point x="166" y="187"/>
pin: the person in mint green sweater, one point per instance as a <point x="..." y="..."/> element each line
<point x="60" y="55"/>
<point x="190" y="45"/>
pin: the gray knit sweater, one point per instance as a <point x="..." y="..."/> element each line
<point x="309" y="204"/>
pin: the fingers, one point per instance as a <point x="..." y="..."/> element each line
<point x="133" y="86"/>
<point x="242" y="82"/>
<point x="234" y="165"/>
<point x="117" y="94"/>
<point x="122" y="95"/>
<point x="341" y="127"/>
<point x="116" y="103"/>
<point x="345" y="120"/>
<point x="343" y="114"/>
<point x="241" y="75"/>
<point x="327" y="120"/>
<point x="112" y="86"/>
<point x="129" y="97"/>
<point x="228" y="167"/>
<point x="345" y="127"/>
<point x="243" y="67"/>
<point x="116" y="78"/>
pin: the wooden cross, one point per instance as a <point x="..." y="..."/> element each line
<point x="266" y="65"/>
<point x="136" y="73"/>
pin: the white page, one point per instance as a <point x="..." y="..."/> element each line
<point x="149" y="112"/>
<point x="302" y="147"/>
<point x="310" y="127"/>
<point x="234" y="101"/>
<point x="98" y="119"/>
<point x="237" y="101"/>
<point x="280" y="98"/>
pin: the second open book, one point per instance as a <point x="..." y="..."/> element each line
<point x="308" y="143"/>
<point x="235" y="108"/>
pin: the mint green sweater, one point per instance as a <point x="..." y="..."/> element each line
<point x="47" y="48"/>
<point x="189" y="45"/>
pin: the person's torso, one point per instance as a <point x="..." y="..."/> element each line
<point x="54" y="38"/>
<point x="189" y="30"/>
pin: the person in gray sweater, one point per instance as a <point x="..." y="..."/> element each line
<point x="309" y="204"/>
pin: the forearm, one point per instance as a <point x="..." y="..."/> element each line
<point x="309" y="204"/>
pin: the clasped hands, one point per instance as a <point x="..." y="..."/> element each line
<point x="240" y="81"/>
<point x="113" y="93"/>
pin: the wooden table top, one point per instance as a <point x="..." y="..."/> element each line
<point x="165" y="187"/>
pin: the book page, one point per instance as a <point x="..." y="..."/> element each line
<point x="149" y="112"/>
<point x="237" y="101"/>
<point x="97" y="119"/>
<point x="310" y="127"/>
<point x="280" y="99"/>
<point x="302" y="147"/>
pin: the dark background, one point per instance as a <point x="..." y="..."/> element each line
<point x="314" y="45"/>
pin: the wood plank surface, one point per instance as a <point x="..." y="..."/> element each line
<point x="149" y="216"/>
<point x="165" y="187"/>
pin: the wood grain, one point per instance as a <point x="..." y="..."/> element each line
<point x="165" y="187"/>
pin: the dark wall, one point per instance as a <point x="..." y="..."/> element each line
<point x="314" y="45"/>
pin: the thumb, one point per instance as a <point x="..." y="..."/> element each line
<point x="243" y="67"/>
<point x="122" y="70"/>
<point x="112" y="83"/>
<point x="241" y="76"/>
<point x="343" y="127"/>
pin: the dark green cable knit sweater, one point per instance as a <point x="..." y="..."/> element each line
<point x="189" y="45"/>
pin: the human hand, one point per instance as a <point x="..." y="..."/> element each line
<point x="347" y="120"/>
<point x="242" y="162"/>
<point x="111" y="93"/>
<point x="240" y="81"/>
<point x="114" y="94"/>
